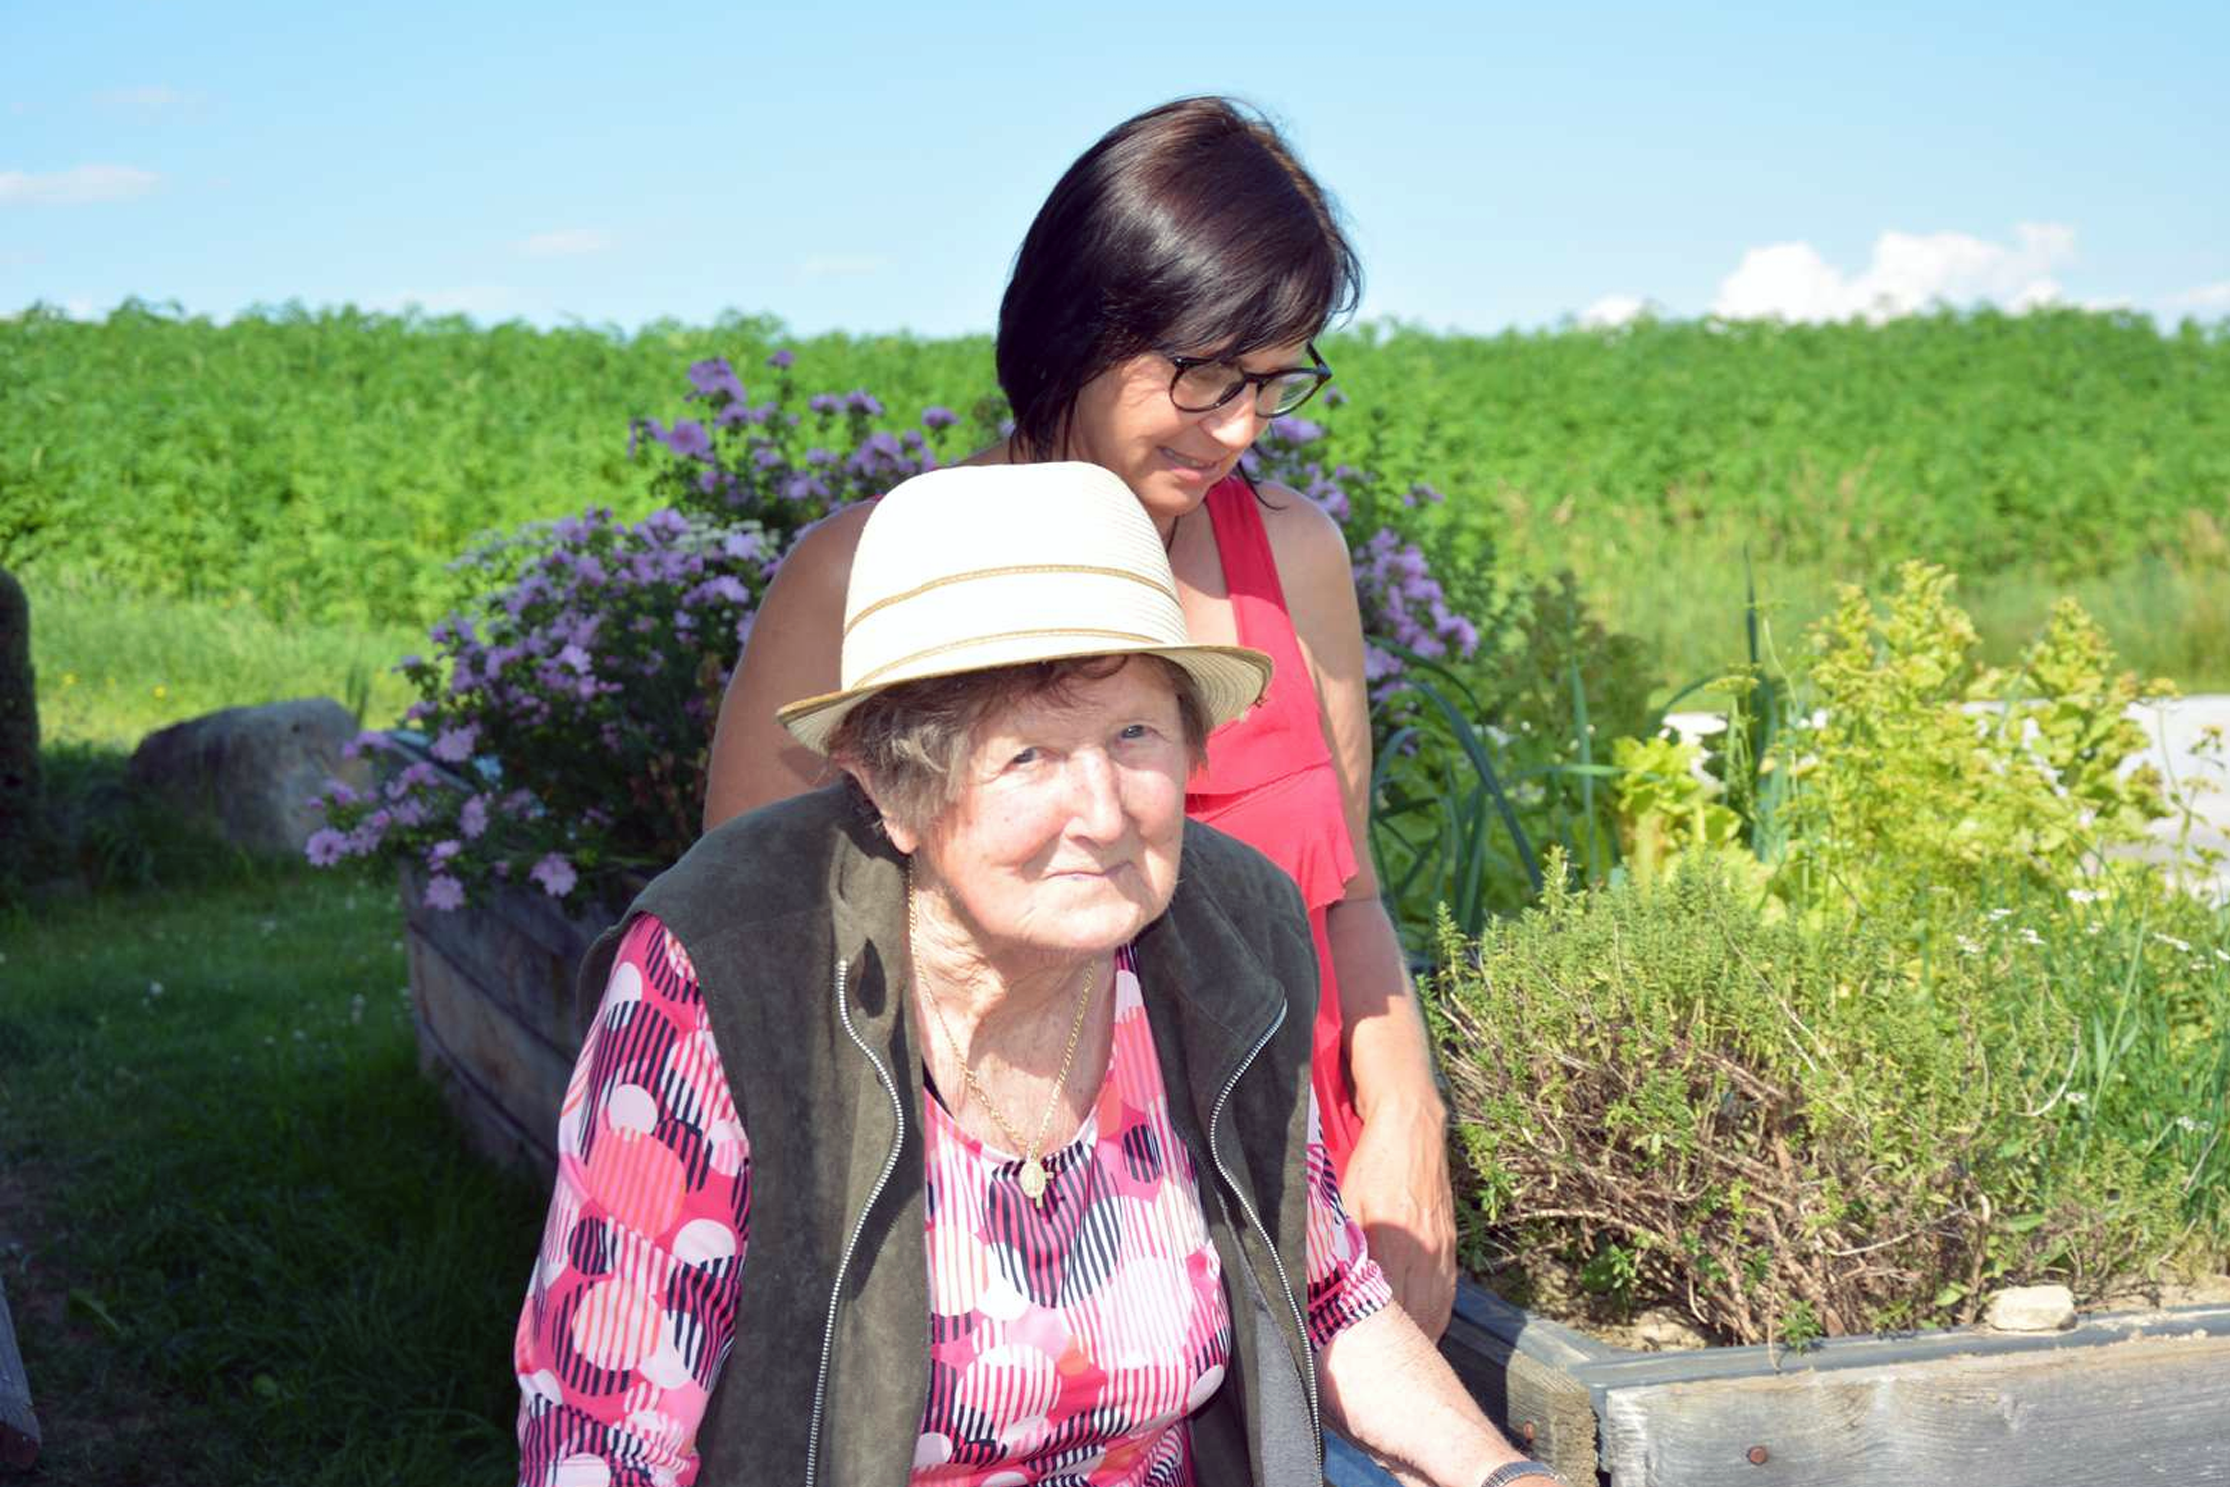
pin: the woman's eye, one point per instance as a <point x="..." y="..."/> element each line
<point x="1136" y="731"/>
<point x="1023" y="757"/>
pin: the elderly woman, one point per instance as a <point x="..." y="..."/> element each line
<point x="1162" y="311"/>
<point x="953" y="1123"/>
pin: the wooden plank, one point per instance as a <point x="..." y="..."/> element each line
<point x="1874" y="1350"/>
<point x="520" y="953"/>
<point x="497" y="1060"/>
<point x="19" y="1427"/>
<point x="2145" y="1409"/>
<point x="1536" y="1337"/>
<point x="1540" y="1406"/>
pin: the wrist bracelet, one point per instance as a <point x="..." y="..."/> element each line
<point x="1513" y="1471"/>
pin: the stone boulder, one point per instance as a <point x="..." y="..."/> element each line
<point x="19" y="723"/>
<point x="253" y="774"/>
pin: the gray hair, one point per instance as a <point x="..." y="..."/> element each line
<point x="913" y="739"/>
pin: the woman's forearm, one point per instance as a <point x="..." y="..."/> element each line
<point x="1388" y="1391"/>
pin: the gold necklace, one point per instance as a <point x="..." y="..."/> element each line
<point x="1033" y="1170"/>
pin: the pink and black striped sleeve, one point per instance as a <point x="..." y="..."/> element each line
<point x="1345" y="1283"/>
<point x="631" y="1308"/>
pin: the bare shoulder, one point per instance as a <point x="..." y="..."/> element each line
<point x="822" y="558"/>
<point x="1311" y="553"/>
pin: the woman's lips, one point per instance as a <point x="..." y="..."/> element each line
<point x="1185" y="465"/>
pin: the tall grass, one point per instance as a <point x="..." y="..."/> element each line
<point x="113" y="668"/>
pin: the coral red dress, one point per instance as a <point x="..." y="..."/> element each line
<point x="1270" y="782"/>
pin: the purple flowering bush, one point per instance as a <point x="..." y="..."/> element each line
<point x="565" y="714"/>
<point x="563" y="722"/>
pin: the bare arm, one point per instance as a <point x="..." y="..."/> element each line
<point x="792" y="654"/>
<point x="1390" y="1393"/>
<point x="1396" y="1182"/>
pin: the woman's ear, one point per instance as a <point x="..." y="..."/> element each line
<point x="901" y="836"/>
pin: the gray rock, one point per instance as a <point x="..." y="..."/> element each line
<point x="2032" y="1309"/>
<point x="19" y="723"/>
<point x="253" y="773"/>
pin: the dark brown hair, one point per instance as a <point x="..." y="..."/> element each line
<point x="1188" y="228"/>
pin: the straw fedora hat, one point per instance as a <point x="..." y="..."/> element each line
<point x="981" y="566"/>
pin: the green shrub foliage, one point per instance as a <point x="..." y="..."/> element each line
<point x="1785" y="1126"/>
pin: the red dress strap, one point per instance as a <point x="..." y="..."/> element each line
<point x="1270" y="782"/>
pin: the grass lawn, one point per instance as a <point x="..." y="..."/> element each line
<point x="242" y="1240"/>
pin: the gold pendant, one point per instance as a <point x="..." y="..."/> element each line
<point x="1033" y="1179"/>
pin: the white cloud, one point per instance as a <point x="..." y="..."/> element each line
<point x="843" y="265"/>
<point x="87" y="183"/>
<point x="1614" y="310"/>
<point x="568" y="242"/>
<point x="1908" y="272"/>
<point x="2207" y="297"/>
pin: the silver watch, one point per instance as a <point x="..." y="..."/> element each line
<point x="1501" y="1476"/>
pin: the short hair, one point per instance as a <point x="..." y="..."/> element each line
<point x="914" y="738"/>
<point x="1190" y="227"/>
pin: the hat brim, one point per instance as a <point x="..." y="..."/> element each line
<point x="1231" y="679"/>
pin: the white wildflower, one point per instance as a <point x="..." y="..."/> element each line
<point x="2173" y="943"/>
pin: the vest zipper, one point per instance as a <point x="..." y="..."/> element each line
<point x="890" y="1165"/>
<point x="1285" y="1280"/>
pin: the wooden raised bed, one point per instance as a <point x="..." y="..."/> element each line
<point x="492" y="995"/>
<point x="2125" y="1398"/>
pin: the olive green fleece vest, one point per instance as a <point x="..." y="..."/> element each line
<point x="794" y="917"/>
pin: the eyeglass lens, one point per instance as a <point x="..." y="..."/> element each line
<point x="1211" y="384"/>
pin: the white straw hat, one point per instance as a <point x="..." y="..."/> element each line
<point x="981" y="566"/>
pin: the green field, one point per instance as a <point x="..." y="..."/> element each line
<point x="320" y="469"/>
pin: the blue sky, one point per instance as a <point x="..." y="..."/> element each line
<point x="871" y="167"/>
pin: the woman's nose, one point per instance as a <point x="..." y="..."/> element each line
<point x="1095" y="796"/>
<point x="1236" y="424"/>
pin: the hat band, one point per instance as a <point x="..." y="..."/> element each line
<point x="973" y="642"/>
<point x="1012" y="570"/>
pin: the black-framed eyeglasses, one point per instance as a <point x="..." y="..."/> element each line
<point x="1202" y="385"/>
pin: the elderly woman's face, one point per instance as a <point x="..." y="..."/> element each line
<point x="1065" y="835"/>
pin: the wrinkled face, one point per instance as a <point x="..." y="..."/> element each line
<point x="1065" y="835"/>
<point x="1125" y="422"/>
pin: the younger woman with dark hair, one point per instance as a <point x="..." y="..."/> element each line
<point x="1162" y="310"/>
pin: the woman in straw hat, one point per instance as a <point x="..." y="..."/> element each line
<point x="953" y="1123"/>
<point x="1162" y="310"/>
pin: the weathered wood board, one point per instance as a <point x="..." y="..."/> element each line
<point x="2148" y="1409"/>
<point x="491" y="993"/>
<point x="2135" y="1397"/>
<point x="19" y="1427"/>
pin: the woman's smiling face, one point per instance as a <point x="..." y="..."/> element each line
<point x="1124" y="421"/>
<point x="1065" y="835"/>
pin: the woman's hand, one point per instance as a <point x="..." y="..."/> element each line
<point x="1396" y="1188"/>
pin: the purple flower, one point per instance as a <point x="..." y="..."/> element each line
<point x="936" y="417"/>
<point x="442" y="851"/>
<point x="860" y="400"/>
<point x="455" y="745"/>
<point x="687" y="438"/>
<point x="576" y="658"/>
<point x="370" y="738"/>
<point x="555" y="875"/>
<point x="825" y="402"/>
<point x="444" y="893"/>
<point x="472" y="818"/>
<point x="782" y="360"/>
<point x="713" y="376"/>
<point x="1296" y="430"/>
<point x="325" y="847"/>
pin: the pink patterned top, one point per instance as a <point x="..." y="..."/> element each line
<point x="1068" y="1339"/>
